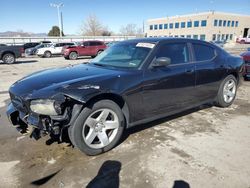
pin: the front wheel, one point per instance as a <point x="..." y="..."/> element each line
<point x="9" y="58"/>
<point x="47" y="54"/>
<point x="98" y="128"/>
<point x="227" y="92"/>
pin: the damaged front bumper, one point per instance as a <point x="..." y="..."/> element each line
<point x="38" y="125"/>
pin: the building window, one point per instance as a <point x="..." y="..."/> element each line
<point x="214" y="37"/>
<point x="227" y="36"/>
<point x="203" y="23"/>
<point x="189" y="36"/>
<point x="176" y="36"/>
<point x="176" y="25"/>
<point x="222" y="37"/>
<point x="232" y="24"/>
<point x="182" y="36"/>
<point x="195" y="36"/>
<point x="196" y="23"/>
<point x="220" y="23"/>
<point x="231" y="37"/>
<point x="215" y="22"/>
<point x="183" y="24"/>
<point x="224" y="23"/>
<point x="155" y="27"/>
<point x="171" y="25"/>
<point x="165" y="26"/>
<point x="218" y="37"/>
<point x="202" y="37"/>
<point x="236" y="24"/>
<point x="151" y="27"/>
<point x="228" y="23"/>
<point x="160" y="26"/>
<point x="189" y="24"/>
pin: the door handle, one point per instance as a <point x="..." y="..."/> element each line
<point x="189" y="71"/>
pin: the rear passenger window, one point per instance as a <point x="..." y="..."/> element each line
<point x="203" y="52"/>
<point x="178" y="53"/>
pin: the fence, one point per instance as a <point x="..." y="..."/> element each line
<point x="23" y="40"/>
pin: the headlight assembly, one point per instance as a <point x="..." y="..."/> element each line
<point x="44" y="107"/>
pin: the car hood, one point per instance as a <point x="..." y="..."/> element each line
<point x="53" y="81"/>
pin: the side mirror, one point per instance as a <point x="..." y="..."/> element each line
<point x="82" y="45"/>
<point x="161" y="62"/>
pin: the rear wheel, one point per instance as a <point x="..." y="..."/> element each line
<point x="98" y="128"/>
<point x="47" y="54"/>
<point x="9" y="58"/>
<point x="227" y="92"/>
<point x="73" y="55"/>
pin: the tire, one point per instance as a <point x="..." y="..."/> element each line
<point x="47" y="54"/>
<point x="73" y="55"/>
<point x="94" y="116"/>
<point x="227" y="92"/>
<point x="9" y="58"/>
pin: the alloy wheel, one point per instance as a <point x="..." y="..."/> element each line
<point x="229" y="91"/>
<point x="100" y="128"/>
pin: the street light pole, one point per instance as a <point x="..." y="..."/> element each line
<point x="58" y="6"/>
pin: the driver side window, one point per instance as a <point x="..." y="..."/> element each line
<point x="177" y="52"/>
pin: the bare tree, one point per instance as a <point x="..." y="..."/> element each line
<point x="131" y="30"/>
<point x="92" y="26"/>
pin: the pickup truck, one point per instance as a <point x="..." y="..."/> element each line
<point x="8" y="54"/>
<point x="242" y="40"/>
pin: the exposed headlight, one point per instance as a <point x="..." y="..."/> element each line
<point x="44" y="107"/>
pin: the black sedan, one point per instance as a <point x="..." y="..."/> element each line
<point x="130" y="83"/>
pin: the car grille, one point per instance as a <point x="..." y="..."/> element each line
<point x="18" y="103"/>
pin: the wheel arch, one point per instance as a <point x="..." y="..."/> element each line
<point x="8" y="52"/>
<point x="119" y="100"/>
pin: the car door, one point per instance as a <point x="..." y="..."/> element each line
<point x="84" y="49"/>
<point x="93" y="48"/>
<point x="209" y="69"/>
<point x="58" y="48"/>
<point x="170" y="88"/>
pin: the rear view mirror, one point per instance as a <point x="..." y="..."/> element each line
<point x="161" y="62"/>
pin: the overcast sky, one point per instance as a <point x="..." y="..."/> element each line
<point x="37" y="16"/>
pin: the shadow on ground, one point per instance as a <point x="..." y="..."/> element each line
<point x="107" y="176"/>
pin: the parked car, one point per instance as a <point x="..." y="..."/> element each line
<point x="3" y="44"/>
<point x="246" y="58"/>
<point x="8" y="54"/>
<point x="30" y="45"/>
<point x="87" y="48"/>
<point x="130" y="83"/>
<point x="32" y="51"/>
<point x="245" y="40"/>
<point x="54" y="49"/>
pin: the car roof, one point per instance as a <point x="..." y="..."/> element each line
<point x="160" y="39"/>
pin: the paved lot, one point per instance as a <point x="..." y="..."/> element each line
<point x="204" y="147"/>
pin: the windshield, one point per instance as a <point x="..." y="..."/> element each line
<point x="124" y="55"/>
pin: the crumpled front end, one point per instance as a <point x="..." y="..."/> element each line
<point x="37" y="125"/>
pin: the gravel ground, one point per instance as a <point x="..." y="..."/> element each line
<point x="202" y="147"/>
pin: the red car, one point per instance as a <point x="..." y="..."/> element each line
<point x="246" y="58"/>
<point x="87" y="48"/>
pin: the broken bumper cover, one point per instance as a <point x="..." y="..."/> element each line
<point x="23" y="122"/>
<point x="41" y="125"/>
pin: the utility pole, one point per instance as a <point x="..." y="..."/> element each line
<point x="59" y="15"/>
